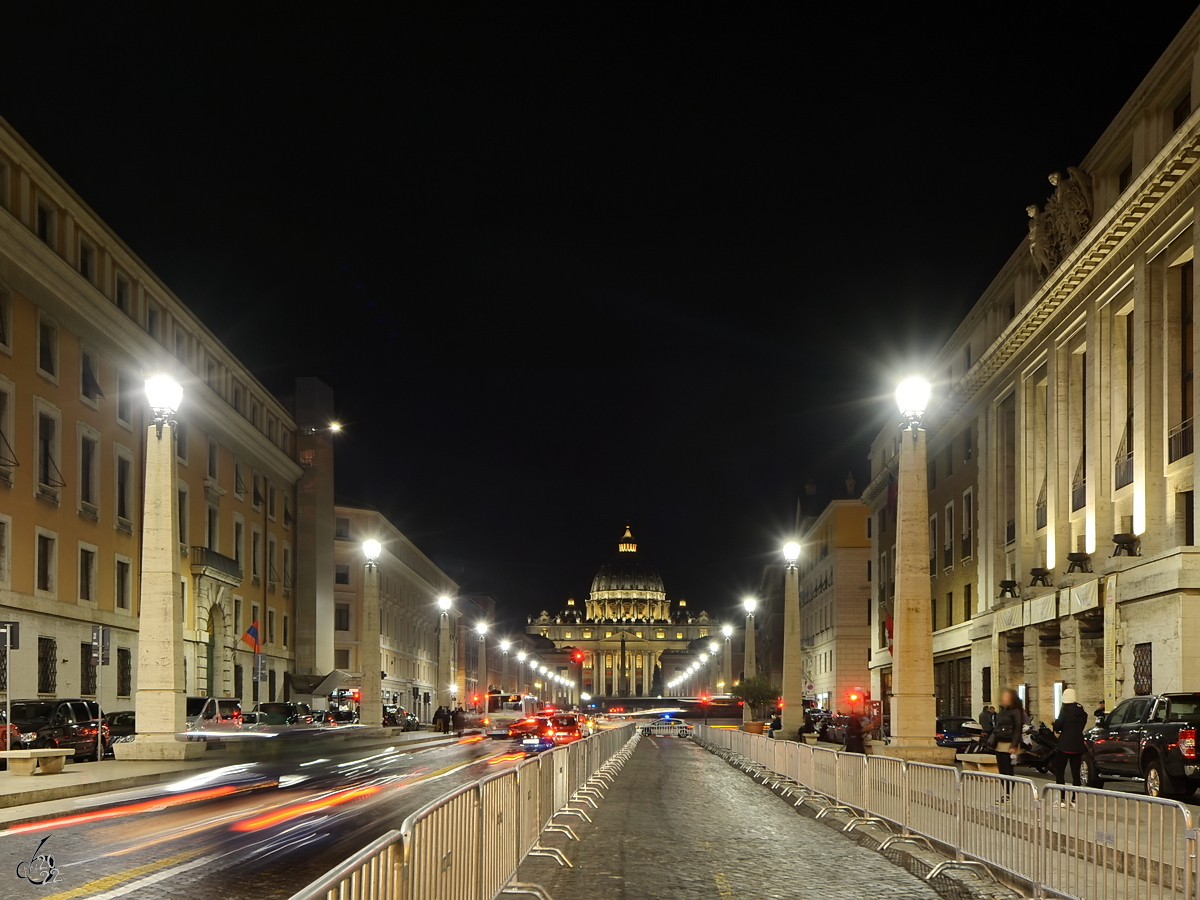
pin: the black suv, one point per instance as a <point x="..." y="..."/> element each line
<point x="282" y="714"/>
<point x="1150" y="738"/>
<point x="65" y="724"/>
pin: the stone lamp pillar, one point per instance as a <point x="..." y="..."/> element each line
<point x="161" y="691"/>
<point x="445" y="673"/>
<point x="750" y="666"/>
<point x="793" y="653"/>
<point x="371" y="659"/>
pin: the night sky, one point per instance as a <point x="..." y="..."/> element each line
<point x="568" y="268"/>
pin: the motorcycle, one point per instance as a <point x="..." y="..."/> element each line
<point x="1038" y="744"/>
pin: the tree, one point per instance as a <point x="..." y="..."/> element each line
<point x="756" y="692"/>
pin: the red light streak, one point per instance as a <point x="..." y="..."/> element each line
<point x="303" y="809"/>
<point x="118" y="812"/>
<point x="470" y="739"/>
<point x="507" y="757"/>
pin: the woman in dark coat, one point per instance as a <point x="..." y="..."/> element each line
<point x="1069" y="726"/>
<point x="1006" y="733"/>
<point x="854" y="736"/>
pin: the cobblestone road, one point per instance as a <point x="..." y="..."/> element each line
<point x="680" y="823"/>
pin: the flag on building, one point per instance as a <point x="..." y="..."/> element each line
<point x="251" y="637"/>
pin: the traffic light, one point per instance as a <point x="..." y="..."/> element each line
<point x="577" y="656"/>
<point x="853" y="697"/>
<point x="475" y="699"/>
<point x="354" y="695"/>
<point x="704" y="698"/>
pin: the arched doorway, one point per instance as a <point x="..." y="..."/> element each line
<point x="216" y="641"/>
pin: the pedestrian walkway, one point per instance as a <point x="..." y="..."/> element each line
<point x="680" y="823"/>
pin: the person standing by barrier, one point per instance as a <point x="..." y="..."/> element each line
<point x="854" y="736"/>
<point x="1069" y="726"/>
<point x="1007" y="733"/>
<point x="457" y="718"/>
<point x="987" y="720"/>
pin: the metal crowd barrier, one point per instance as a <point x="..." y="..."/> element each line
<point x="1064" y="842"/>
<point x="469" y="844"/>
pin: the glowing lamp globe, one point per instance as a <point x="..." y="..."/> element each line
<point x="912" y="395"/>
<point x="791" y="551"/>
<point x="481" y="628"/>
<point x="712" y="648"/>
<point x="750" y="603"/>
<point x="371" y="549"/>
<point x="521" y="656"/>
<point x="504" y="645"/>
<point x="444" y="602"/>
<point x="727" y="631"/>
<point x="164" y="394"/>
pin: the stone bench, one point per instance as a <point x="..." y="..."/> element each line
<point x="23" y="762"/>
<point x="978" y="762"/>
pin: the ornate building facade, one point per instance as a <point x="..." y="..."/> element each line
<point x="1062" y="545"/>
<point x="631" y="637"/>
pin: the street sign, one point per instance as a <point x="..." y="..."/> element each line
<point x="101" y="644"/>
<point x="260" y="667"/>
<point x="13" y="630"/>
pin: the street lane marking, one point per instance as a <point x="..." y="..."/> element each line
<point x="109" y="881"/>
<point x="723" y="887"/>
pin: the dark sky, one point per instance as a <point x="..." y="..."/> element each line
<point x="571" y="265"/>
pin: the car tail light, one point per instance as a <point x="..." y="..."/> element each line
<point x="1187" y="742"/>
<point x="939" y="735"/>
<point x="486" y="720"/>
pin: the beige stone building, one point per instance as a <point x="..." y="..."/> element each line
<point x="835" y="591"/>
<point x="409" y="615"/>
<point x="1060" y="438"/>
<point x="82" y="319"/>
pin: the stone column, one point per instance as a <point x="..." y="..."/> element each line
<point x="914" y="709"/>
<point x="727" y="666"/>
<point x="793" y="659"/>
<point x="445" y="669"/>
<point x="370" y="659"/>
<point x="160" y="702"/>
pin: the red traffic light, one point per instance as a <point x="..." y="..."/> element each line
<point x="577" y="656"/>
<point x="703" y="699"/>
<point x="475" y="699"/>
<point x="854" y="698"/>
<point x="354" y="695"/>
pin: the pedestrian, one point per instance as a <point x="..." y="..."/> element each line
<point x="987" y="720"/>
<point x="457" y="718"/>
<point x="854" y="736"/>
<point x="1006" y="733"/>
<point x="438" y="715"/>
<point x="776" y="725"/>
<point x="1069" y="726"/>
<point x="1099" y="713"/>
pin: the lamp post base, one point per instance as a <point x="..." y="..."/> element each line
<point x="158" y="746"/>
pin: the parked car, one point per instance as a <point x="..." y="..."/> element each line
<point x="10" y="738"/>
<point x="565" y="729"/>
<point x="63" y="724"/>
<point x="531" y="725"/>
<point x="336" y="717"/>
<point x="1152" y="738"/>
<point x="122" y="725"/>
<point x="957" y="731"/>
<point x="214" y="714"/>
<point x="283" y="714"/>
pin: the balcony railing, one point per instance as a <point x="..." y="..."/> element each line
<point x="202" y="557"/>
<point x="1180" y="441"/>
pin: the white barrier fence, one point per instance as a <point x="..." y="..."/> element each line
<point x="468" y="844"/>
<point x="1066" y="842"/>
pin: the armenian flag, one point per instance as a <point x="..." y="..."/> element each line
<point x="251" y="637"/>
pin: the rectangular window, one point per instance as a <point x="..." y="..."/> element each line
<point x="87" y="575"/>
<point x="124" y="400"/>
<point x="287" y="570"/>
<point x="47" y="563"/>
<point x="256" y="554"/>
<point x="341" y="658"/>
<point x="123" y="294"/>
<point x="183" y="516"/>
<point x="213" y="457"/>
<point x="152" y="322"/>
<point x="123" y="587"/>
<point x="341" y="617"/>
<point x="124" y="671"/>
<point x="237" y="616"/>
<point x="181" y="441"/>
<point x="341" y="574"/>
<point x="287" y="511"/>
<point x="271" y="502"/>
<point x="239" y="534"/>
<point x="1179" y="115"/>
<point x="47" y="360"/>
<point x="1143" y="669"/>
<point x="967" y="611"/>
<point x="89" y="472"/>
<point x="49" y="476"/>
<point x="239" y="480"/>
<point x="968" y="527"/>
<point x="933" y="545"/>
<point x="272" y="572"/>
<point x="270" y="626"/>
<point x="257" y="499"/>
<point x="87" y="670"/>
<point x="341" y="528"/>
<point x="985" y="675"/>
<point x="87" y="260"/>
<point x="124" y="490"/>
<point x="284" y="635"/>
<point x="212" y="530"/>
<point x="47" y="665"/>
<point x="89" y="377"/>
<point x="948" y="542"/>
<point x="46" y="224"/>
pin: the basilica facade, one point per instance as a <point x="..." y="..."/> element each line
<point x="628" y="638"/>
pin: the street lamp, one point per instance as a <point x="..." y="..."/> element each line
<point x="793" y="641"/>
<point x="750" y="665"/>
<point x="445" y="696"/>
<point x="504" y="645"/>
<point x="160" y="701"/>
<point x="481" y="674"/>
<point x="520" y="671"/>
<point x="727" y="662"/>
<point x="913" y="701"/>
<point x="370" y="701"/>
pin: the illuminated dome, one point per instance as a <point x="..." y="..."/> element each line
<point x="627" y="587"/>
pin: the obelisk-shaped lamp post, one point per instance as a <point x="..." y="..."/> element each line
<point x="750" y="666"/>
<point x="793" y="653"/>
<point x="371" y="690"/>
